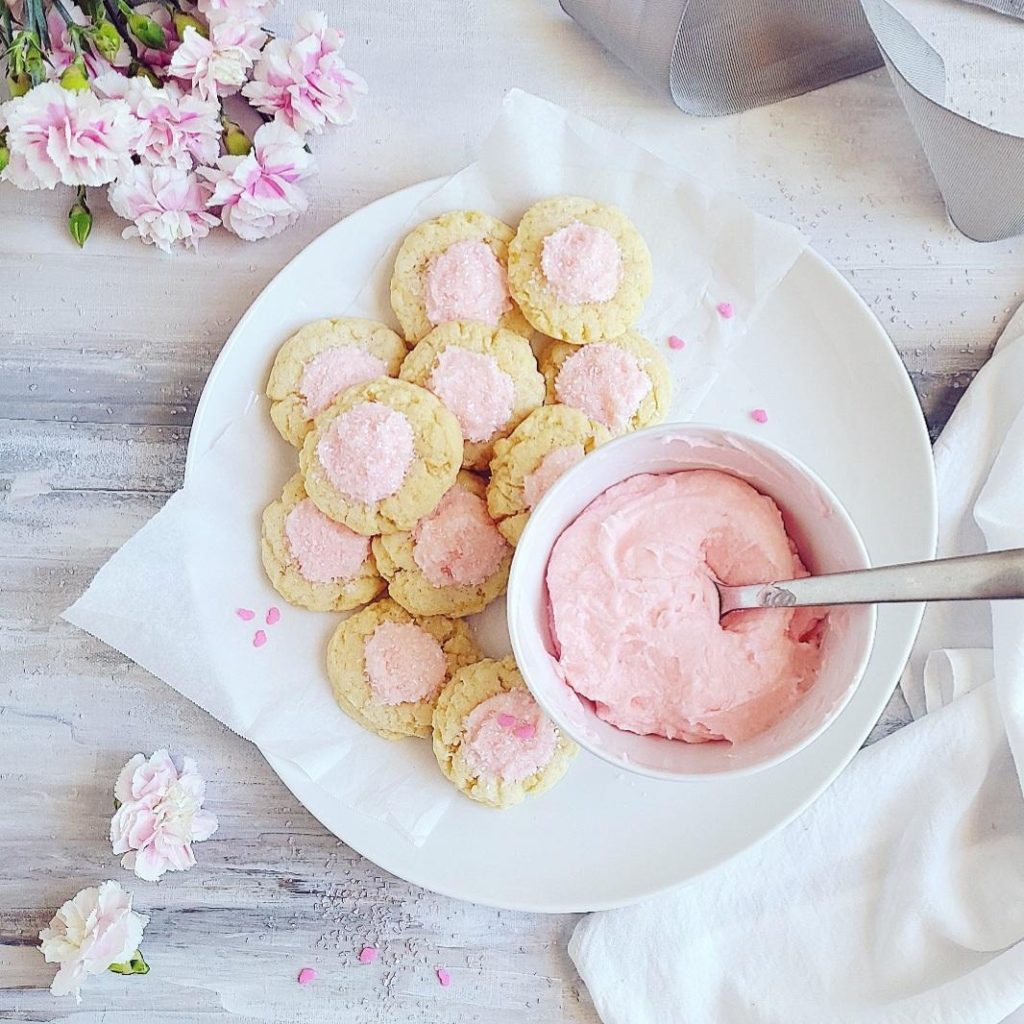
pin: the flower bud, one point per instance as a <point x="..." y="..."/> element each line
<point x="18" y="84"/>
<point x="107" y="40"/>
<point x="5" y="157"/>
<point x="236" y="142"/>
<point x="79" y="219"/>
<point x="74" y="78"/>
<point x="183" y="21"/>
<point x="138" y="70"/>
<point x="147" y="31"/>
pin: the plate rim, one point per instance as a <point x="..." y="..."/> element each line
<point x="288" y="774"/>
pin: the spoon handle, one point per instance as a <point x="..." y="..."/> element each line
<point x="992" y="576"/>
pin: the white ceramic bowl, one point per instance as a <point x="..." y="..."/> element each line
<point x="827" y="541"/>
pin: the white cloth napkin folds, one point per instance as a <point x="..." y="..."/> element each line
<point x="898" y="898"/>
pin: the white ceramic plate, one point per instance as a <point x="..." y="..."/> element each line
<point x="837" y="397"/>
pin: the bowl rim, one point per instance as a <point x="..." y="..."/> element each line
<point x="565" y="481"/>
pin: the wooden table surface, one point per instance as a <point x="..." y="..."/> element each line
<point x="103" y="355"/>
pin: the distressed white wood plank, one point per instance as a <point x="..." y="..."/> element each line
<point x="103" y="355"/>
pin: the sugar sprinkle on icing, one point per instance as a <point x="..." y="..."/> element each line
<point x="306" y="975"/>
<point x="759" y="415"/>
<point x="245" y="614"/>
<point x="675" y="342"/>
<point x="259" y="638"/>
<point x="725" y="310"/>
<point x="443" y="977"/>
<point x="368" y="954"/>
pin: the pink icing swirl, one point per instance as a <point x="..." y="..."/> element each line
<point x="330" y="372"/>
<point x="604" y="381"/>
<point x="582" y="263"/>
<point x="367" y="451"/>
<point x="466" y="282"/>
<point x="479" y="393"/>
<point x="404" y="663"/>
<point x="458" y="543"/>
<point x="323" y="549"/>
<point x="635" y="612"/>
<point x="496" y="751"/>
<point x="552" y="466"/>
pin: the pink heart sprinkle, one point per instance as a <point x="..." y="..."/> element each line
<point x="259" y="638"/>
<point x="676" y="342"/>
<point x="306" y="975"/>
<point x="245" y="614"/>
<point x="368" y="954"/>
<point x="273" y="615"/>
<point x="525" y="732"/>
<point x="759" y="416"/>
<point x="725" y="310"/>
<point x="443" y="977"/>
<point x="506" y="720"/>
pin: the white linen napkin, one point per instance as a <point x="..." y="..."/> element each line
<point x="898" y="898"/>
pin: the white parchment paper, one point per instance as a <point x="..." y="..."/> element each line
<point x="169" y="598"/>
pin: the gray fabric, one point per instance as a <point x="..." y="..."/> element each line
<point x="979" y="171"/>
<point x="722" y="56"/>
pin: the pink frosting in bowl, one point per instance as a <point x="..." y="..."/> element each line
<point x="631" y="600"/>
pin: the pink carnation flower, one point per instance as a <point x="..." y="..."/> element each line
<point x="305" y="83"/>
<point x="161" y="813"/>
<point x="174" y="127"/>
<point x="90" y="932"/>
<point x="62" y="52"/>
<point x="56" y="136"/>
<point x="219" y="65"/>
<point x="258" y="195"/>
<point x="233" y="10"/>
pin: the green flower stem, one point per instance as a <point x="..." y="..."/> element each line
<point x="68" y="20"/>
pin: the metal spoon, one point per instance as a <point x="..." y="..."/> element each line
<point x="993" y="576"/>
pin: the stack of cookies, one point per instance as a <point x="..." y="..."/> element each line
<point x="421" y="455"/>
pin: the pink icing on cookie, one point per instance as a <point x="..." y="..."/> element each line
<point x="552" y="466"/>
<point x="581" y="263"/>
<point x="306" y="975"/>
<point x="675" y="342"/>
<point x="368" y="954"/>
<point x="759" y="416"/>
<point x="466" y="282"/>
<point x="475" y="388"/>
<point x="404" y="663"/>
<point x="506" y="721"/>
<point x="323" y="549"/>
<point x="490" y="749"/>
<point x="604" y="381"/>
<point x="367" y="451"/>
<point x="458" y="543"/>
<point x="335" y="369"/>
